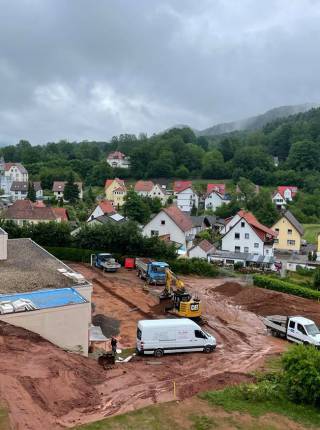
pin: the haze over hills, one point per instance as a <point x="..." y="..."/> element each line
<point x="256" y="122"/>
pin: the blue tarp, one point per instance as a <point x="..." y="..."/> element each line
<point x="45" y="299"/>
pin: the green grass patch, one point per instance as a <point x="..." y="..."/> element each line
<point x="311" y="232"/>
<point x="234" y="399"/>
<point x="4" y="419"/>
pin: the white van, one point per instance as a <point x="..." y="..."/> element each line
<point x="162" y="336"/>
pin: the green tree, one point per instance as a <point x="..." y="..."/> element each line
<point x="301" y="374"/>
<point x="182" y="172"/>
<point x="135" y="208"/>
<point x="213" y="165"/>
<point x="71" y="190"/>
<point x="31" y="195"/>
<point x="316" y="279"/>
<point x="304" y="155"/>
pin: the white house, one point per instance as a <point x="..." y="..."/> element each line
<point x="10" y="172"/>
<point x="19" y="190"/>
<point x="118" y="159"/>
<point x="215" y="196"/>
<point x="284" y="194"/>
<point x="201" y="250"/>
<point x="171" y="224"/>
<point x="105" y="207"/>
<point x="58" y="189"/>
<point x="185" y="195"/>
<point x="245" y="234"/>
<point x="149" y="189"/>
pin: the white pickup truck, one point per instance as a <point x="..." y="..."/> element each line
<point x="296" y="329"/>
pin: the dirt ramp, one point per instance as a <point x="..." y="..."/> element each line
<point x="229" y="289"/>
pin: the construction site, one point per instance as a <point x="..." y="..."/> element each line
<point x="44" y="386"/>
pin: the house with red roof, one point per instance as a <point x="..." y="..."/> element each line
<point x="174" y="226"/>
<point x="104" y="207"/>
<point x="215" y="196"/>
<point x="186" y="196"/>
<point x="284" y="194"/>
<point x="150" y="189"/>
<point x="58" y="189"/>
<point x="245" y="234"/>
<point x="25" y="211"/>
<point x="201" y="250"/>
<point x="118" y="159"/>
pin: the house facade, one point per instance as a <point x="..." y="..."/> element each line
<point x="117" y="159"/>
<point x="19" y="190"/>
<point x="174" y="225"/>
<point x="245" y="234"/>
<point x="10" y="172"/>
<point x="201" y="250"/>
<point x="58" y="189"/>
<point x="284" y="194"/>
<point x="290" y="233"/>
<point x="150" y="189"/>
<point x="115" y="191"/>
<point x="105" y="207"/>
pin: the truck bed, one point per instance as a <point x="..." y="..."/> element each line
<point x="276" y="322"/>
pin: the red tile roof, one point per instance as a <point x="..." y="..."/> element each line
<point x="110" y="181"/>
<point x="7" y="166"/>
<point x="282" y="188"/>
<point x="183" y="221"/>
<point x="146" y="186"/>
<point x="261" y="230"/>
<point x="179" y="186"/>
<point x="107" y="207"/>
<point x="220" y="188"/>
<point x="26" y="210"/>
<point x="116" y="155"/>
<point x="61" y="213"/>
<point x="205" y="245"/>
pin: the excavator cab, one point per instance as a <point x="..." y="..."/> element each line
<point x="181" y="302"/>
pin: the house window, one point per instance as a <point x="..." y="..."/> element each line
<point x="267" y="251"/>
<point x="289" y="231"/>
<point x="246" y="236"/>
<point x="256" y="245"/>
<point x="246" y="249"/>
<point x="291" y="242"/>
<point x="237" y="249"/>
<point x="276" y="240"/>
<point x="243" y="224"/>
<point x="163" y="222"/>
<point x="237" y="235"/>
<point x="154" y="233"/>
<point x="277" y="230"/>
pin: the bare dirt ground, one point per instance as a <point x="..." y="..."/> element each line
<point x="46" y="387"/>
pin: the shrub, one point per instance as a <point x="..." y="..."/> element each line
<point x="72" y="254"/>
<point x="301" y="374"/>
<point x="285" y="287"/>
<point x="303" y="271"/>
<point x="238" y="265"/>
<point x="316" y="279"/>
<point x="193" y="266"/>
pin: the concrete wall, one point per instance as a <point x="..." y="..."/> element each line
<point x="66" y="326"/>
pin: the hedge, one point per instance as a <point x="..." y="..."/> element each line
<point x="71" y="254"/>
<point x="193" y="266"/>
<point x="285" y="287"/>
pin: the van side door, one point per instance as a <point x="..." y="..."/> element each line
<point x="301" y="333"/>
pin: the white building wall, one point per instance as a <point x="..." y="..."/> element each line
<point x="213" y="201"/>
<point x="169" y="227"/>
<point x="66" y="326"/>
<point x="97" y="212"/>
<point x="158" y="192"/>
<point x="279" y="200"/>
<point x="197" y="252"/>
<point x="246" y="242"/>
<point x="186" y="199"/>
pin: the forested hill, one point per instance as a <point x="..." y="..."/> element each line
<point x="256" y="122"/>
<point x="179" y="153"/>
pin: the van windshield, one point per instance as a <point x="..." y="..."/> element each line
<point x="312" y="329"/>
<point x="139" y="333"/>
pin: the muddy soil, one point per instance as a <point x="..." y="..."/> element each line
<point x="43" y="384"/>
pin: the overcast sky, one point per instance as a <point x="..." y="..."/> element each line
<point x="91" y="69"/>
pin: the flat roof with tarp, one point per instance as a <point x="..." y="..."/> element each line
<point x="245" y="256"/>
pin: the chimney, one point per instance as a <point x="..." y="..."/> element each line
<point x="3" y="244"/>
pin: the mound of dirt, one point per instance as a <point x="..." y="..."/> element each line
<point x="41" y="382"/>
<point x="229" y="289"/>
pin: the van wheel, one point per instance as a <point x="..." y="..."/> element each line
<point x="207" y="349"/>
<point x="158" y="353"/>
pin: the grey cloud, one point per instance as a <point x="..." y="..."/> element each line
<point x="88" y="70"/>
